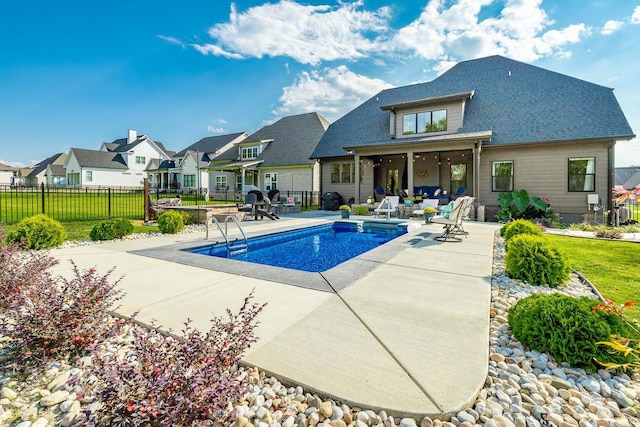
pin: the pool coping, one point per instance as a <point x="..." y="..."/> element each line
<point x="332" y="280"/>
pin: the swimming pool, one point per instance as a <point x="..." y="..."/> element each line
<point x="314" y="249"/>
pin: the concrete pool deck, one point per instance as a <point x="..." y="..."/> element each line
<point x="408" y="333"/>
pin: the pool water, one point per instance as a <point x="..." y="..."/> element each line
<point x="313" y="249"/>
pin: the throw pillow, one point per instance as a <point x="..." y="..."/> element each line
<point x="446" y="210"/>
<point x="437" y="192"/>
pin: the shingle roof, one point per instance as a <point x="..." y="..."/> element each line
<point x="99" y="159"/>
<point x="294" y="139"/>
<point x="42" y="166"/>
<point x="210" y="144"/>
<point x="517" y="102"/>
<point x="627" y="177"/>
<point x="57" y="170"/>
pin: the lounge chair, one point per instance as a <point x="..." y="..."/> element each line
<point x="388" y="206"/>
<point x="451" y="221"/>
<point x="466" y="210"/>
<point x="249" y="205"/>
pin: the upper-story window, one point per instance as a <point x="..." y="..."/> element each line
<point x="249" y="153"/>
<point x="141" y="160"/>
<point x="424" y="122"/>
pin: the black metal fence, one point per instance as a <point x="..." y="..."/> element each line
<point x="98" y="203"/>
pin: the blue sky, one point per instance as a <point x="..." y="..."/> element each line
<point x="78" y="73"/>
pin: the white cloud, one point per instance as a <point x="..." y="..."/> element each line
<point x="635" y="18"/>
<point x="610" y="27"/>
<point x="213" y="129"/>
<point x="331" y="92"/>
<point x="309" y="34"/>
<point x="171" y="40"/>
<point x="12" y="164"/>
<point x="456" y="32"/>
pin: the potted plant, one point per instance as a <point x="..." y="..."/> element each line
<point x="345" y="210"/>
<point x="428" y="212"/>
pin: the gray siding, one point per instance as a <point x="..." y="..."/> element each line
<point x="454" y="118"/>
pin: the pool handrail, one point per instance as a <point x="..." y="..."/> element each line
<point x="224" y="233"/>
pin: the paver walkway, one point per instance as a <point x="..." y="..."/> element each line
<point x="409" y="336"/>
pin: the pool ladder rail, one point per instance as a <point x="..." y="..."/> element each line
<point x="234" y="247"/>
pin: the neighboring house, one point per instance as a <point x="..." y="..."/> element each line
<point x="492" y="125"/>
<point x="122" y="162"/>
<point x="37" y="174"/>
<point x="188" y="168"/>
<point x="8" y="175"/>
<point x="56" y="175"/>
<point x="628" y="177"/>
<point x="276" y="156"/>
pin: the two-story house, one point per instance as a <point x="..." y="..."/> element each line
<point x="120" y="163"/>
<point x="277" y="156"/>
<point x="490" y="125"/>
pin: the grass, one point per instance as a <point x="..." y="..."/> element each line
<point x="79" y="230"/>
<point x="612" y="267"/>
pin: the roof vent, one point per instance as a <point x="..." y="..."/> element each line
<point x="509" y="73"/>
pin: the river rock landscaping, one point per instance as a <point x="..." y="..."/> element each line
<point x="523" y="388"/>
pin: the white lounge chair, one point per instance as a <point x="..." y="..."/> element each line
<point x="388" y="206"/>
<point x="452" y="221"/>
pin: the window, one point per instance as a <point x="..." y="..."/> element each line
<point x="189" y="180"/>
<point x="73" y="178"/>
<point x="424" y="122"/>
<point x="582" y="174"/>
<point x="271" y="181"/>
<point x="221" y="182"/>
<point x="249" y="153"/>
<point x="141" y="160"/>
<point x="88" y="176"/>
<point x="342" y="173"/>
<point x="458" y="176"/>
<point x="502" y="176"/>
<point x="239" y="181"/>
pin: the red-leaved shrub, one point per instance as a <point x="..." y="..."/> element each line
<point x="164" y="379"/>
<point x="50" y="317"/>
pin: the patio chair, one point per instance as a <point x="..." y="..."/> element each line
<point x="388" y="205"/>
<point x="249" y="205"/>
<point x="451" y="221"/>
<point x="460" y="192"/>
<point x="466" y="210"/>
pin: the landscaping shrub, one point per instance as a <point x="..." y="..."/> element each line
<point x="52" y="317"/>
<point x="187" y="218"/>
<point x="170" y="222"/>
<point x="608" y="234"/>
<point x="37" y="232"/>
<point x="171" y="380"/>
<point x="517" y="227"/>
<point x="536" y="261"/>
<point x="361" y="210"/>
<point x="111" y="229"/>
<point x="566" y="327"/>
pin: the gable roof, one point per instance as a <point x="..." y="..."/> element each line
<point x="98" y="159"/>
<point x="210" y="144"/>
<point x="293" y="139"/>
<point x="627" y="177"/>
<point x="57" y="170"/>
<point x="57" y="159"/>
<point x="120" y="145"/>
<point x="512" y="101"/>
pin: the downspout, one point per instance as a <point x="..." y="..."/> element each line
<point x="356" y="165"/>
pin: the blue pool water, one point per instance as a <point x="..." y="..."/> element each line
<point x="312" y="249"/>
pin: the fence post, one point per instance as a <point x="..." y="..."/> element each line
<point x="146" y="199"/>
<point x="42" y="195"/>
<point x="109" y="202"/>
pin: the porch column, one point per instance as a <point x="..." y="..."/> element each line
<point x="477" y="148"/>
<point x="356" y="165"/>
<point x="410" y="160"/>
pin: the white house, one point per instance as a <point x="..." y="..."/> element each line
<point x="121" y="163"/>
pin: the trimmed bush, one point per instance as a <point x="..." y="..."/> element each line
<point x="361" y="210"/>
<point x="170" y="222"/>
<point x="536" y="261"/>
<point x="111" y="229"/>
<point x="187" y="218"/>
<point x="517" y="227"/>
<point x="564" y="326"/>
<point x="37" y="232"/>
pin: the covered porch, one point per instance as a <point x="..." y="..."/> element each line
<point x="429" y="168"/>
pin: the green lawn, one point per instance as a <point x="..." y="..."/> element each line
<point x="79" y="230"/>
<point x="612" y="266"/>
